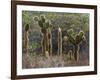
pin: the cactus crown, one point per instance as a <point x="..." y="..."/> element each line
<point x="81" y="33"/>
<point x="43" y="18"/>
<point x="27" y="27"/>
<point x="36" y="18"/>
<point x="75" y="38"/>
<point x="43" y="23"/>
<point x="70" y="31"/>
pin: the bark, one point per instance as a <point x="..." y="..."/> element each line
<point x="76" y="54"/>
<point x="70" y="54"/>
<point x="59" y="42"/>
<point x="50" y="46"/>
<point x="26" y="41"/>
<point x="42" y="43"/>
<point x="47" y="43"/>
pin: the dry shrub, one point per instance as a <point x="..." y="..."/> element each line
<point x="39" y="61"/>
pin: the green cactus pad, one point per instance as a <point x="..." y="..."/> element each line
<point x="27" y="27"/>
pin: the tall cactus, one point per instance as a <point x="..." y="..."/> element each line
<point x="49" y="42"/>
<point x="75" y="39"/>
<point x="59" y="41"/>
<point x="45" y="26"/>
<point x="26" y="37"/>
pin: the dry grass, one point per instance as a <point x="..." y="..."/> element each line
<point x="39" y="61"/>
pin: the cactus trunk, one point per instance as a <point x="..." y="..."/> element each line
<point x="26" y="41"/>
<point x="76" y="54"/>
<point x="43" y="44"/>
<point x="49" y="42"/>
<point x="59" y="42"/>
<point x="46" y="34"/>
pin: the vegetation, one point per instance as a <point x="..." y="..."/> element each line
<point x="75" y="39"/>
<point x="46" y="34"/>
<point x="26" y="37"/>
<point x="54" y="39"/>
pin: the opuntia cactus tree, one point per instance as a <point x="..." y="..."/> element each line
<point x="59" y="41"/>
<point x="26" y="37"/>
<point x="75" y="39"/>
<point x="45" y="26"/>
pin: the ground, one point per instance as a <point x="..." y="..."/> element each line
<point x="39" y="61"/>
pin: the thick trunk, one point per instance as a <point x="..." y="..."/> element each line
<point x="45" y="44"/>
<point x="76" y="54"/>
<point x="70" y="54"/>
<point x="26" y="41"/>
<point x="42" y="43"/>
<point x="49" y="42"/>
<point x="50" y="45"/>
<point x="59" y="42"/>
